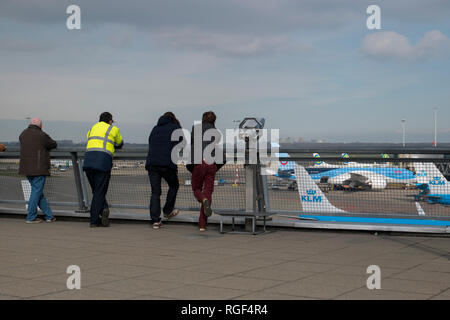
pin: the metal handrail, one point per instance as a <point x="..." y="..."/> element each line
<point x="75" y="154"/>
<point x="327" y="149"/>
<point x="363" y="160"/>
<point x="141" y="153"/>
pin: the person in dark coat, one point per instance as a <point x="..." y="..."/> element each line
<point x="204" y="166"/>
<point x="35" y="146"/>
<point x="160" y="166"/>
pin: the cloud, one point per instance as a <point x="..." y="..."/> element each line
<point x="392" y="45"/>
<point x="236" y="15"/>
<point x="229" y="44"/>
<point x="234" y="27"/>
<point x="433" y="44"/>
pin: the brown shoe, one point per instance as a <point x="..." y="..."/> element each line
<point x="172" y="214"/>
<point x="207" y="207"/>
<point x="51" y="220"/>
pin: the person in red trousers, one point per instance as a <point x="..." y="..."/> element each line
<point x="204" y="164"/>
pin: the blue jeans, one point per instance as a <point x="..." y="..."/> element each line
<point x="37" y="198"/>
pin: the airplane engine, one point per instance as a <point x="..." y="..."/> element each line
<point x="338" y="180"/>
<point x="378" y="184"/>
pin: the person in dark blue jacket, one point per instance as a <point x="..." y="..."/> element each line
<point x="159" y="165"/>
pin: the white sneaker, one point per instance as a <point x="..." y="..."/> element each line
<point x="157" y="225"/>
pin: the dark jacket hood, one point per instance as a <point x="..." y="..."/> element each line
<point x="160" y="144"/>
<point x="163" y="120"/>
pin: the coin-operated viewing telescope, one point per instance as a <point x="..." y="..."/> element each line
<point x="252" y="123"/>
<point x="250" y="134"/>
<point x="249" y="128"/>
<point x="249" y="131"/>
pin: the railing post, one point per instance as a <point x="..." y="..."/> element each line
<point x="265" y="192"/>
<point x="76" y="173"/>
<point x="250" y="188"/>
<point x="83" y="183"/>
<point x="250" y="193"/>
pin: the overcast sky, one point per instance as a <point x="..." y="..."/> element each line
<point x="311" y="68"/>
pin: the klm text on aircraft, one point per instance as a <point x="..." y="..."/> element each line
<point x="311" y="196"/>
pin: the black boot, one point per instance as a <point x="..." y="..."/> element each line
<point x="105" y="217"/>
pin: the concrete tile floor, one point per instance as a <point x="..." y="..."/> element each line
<point x="133" y="261"/>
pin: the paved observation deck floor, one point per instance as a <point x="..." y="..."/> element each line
<point x="132" y="261"/>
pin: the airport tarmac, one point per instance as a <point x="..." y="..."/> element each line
<point x="130" y="186"/>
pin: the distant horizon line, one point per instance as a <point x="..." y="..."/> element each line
<point x="70" y="142"/>
<point x="138" y="133"/>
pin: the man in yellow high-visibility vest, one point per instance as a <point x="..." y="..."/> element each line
<point x="103" y="139"/>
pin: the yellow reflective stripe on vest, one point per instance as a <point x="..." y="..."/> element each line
<point x="100" y="138"/>
<point x="106" y="137"/>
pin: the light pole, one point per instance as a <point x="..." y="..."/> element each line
<point x="236" y="168"/>
<point x="404" y="131"/>
<point x="435" y="126"/>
